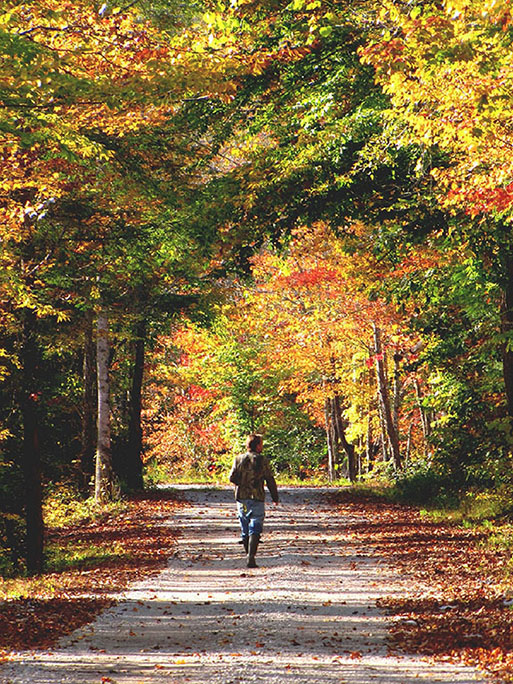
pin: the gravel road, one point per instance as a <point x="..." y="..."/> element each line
<point x="306" y="615"/>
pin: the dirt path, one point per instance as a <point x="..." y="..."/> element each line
<point x="306" y="615"/>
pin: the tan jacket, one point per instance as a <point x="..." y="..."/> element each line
<point x="249" y="478"/>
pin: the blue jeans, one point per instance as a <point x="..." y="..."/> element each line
<point x="251" y="516"/>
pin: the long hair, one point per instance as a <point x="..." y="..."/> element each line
<point x="252" y="442"/>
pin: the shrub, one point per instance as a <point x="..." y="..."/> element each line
<point x="12" y="541"/>
<point x="420" y="483"/>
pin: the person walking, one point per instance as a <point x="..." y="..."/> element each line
<point x="249" y="473"/>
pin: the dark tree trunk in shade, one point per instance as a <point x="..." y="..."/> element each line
<point x="341" y="434"/>
<point x="384" y="398"/>
<point x="507" y="330"/>
<point x="31" y="457"/>
<point x="134" y="463"/>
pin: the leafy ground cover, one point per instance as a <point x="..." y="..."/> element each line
<point x="461" y="606"/>
<point x="92" y="561"/>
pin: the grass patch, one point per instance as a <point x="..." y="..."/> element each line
<point x="379" y="491"/>
<point x="221" y="479"/>
<point x="290" y="480"/>
<point x="82" y="556"/>
<point x="475" y="507"/>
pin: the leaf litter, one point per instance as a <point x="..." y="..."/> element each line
<point x="36" y="612"/>
<point x="459" y="606"/>
<point x="319" y="641"/>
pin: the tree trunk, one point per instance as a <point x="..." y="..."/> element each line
<point x="134" y="464"/>
<point x="89" y="407"/>
<point x="330" y="440"/>
<point x="397" y="391"/>
<point x="408" y="443"/>
<point x="368" y="445"/>
<point x="424" y="420"/>
<point x="31" y="457"/>
<point x="385" y="399"/>
<point x="383" y="438"/>
<point x="507" y="330"/>
<point x="341" y="434"/>
<point x="103" y="489"/>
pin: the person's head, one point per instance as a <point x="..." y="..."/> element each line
<point x="255" y="443"/>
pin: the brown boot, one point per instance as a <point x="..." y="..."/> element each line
<point x="252" y="549"/>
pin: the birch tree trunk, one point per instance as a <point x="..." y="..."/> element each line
<point x="368" y="445"/>
<point x="330" y="440"/>
<point x="385" y="399"/>
<point x="424" y="420"/>
<point x="385" y="454"/>
<point x="397" y="391"/>
<point x="408" y="443"/>
<point x="103" y="488"/>
<point x="87" y="452"/>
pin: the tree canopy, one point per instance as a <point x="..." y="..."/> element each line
<point x="292" y="219"/>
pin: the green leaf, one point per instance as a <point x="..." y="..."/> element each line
<point x="326" y="31"/>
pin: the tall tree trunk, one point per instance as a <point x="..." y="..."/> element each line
<point x="368" y="444"/>
<point x="31" y="457"/>
<point x="408" y="443"/>
<point x="424" y="420"/>
<point x="134" y="464"/>
<point x="332" y="459"/>
<point x="89" y="406"/>
<point x="385" y="399"/>
<point x="383" y="438"/>
<point x="103" y="488"/>
<point x="397" y="391"/>
<point x="507" y="330"/>
<point x="341" y="434"/>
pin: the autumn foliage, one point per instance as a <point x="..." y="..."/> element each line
<point x="290" y="220"/>
<point x="303" y="332"/>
